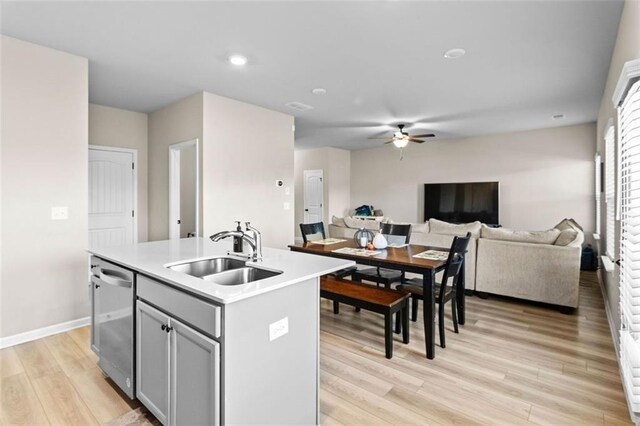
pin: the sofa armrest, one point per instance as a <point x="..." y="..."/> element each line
<point x="539" y="272"/>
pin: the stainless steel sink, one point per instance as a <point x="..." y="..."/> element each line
<point x="224" y="271"/>
<point x="202" y="268"/>
<point x="241" y="276"/>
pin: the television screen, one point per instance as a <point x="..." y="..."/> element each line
<point x="462" y="202"/>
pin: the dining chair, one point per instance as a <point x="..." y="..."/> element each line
<point x="444" y="293"/>
<point x="312" y="231"/>
<point x="315" y="231"/>
<point x="394" y="233"/>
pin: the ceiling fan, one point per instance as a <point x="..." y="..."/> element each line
<point x="400" y="139"/>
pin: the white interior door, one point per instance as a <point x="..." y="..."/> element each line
<point x="111" y="197"/>
<point x="313" y="196"/>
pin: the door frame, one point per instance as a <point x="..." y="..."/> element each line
<point x="134" y="193"/>
<point x="304" y="193"/>
<point x="174" y="185"/>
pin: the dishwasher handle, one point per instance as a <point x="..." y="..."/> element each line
<point x="111" y="277"/>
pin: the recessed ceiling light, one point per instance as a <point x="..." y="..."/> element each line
<point x="558" y="117"/>
<point x="238" y="60"/>
<point x="319" y="91"/>
<point x="454" y="53"/>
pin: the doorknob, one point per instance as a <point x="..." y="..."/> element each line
<point x="306" y="210"/>
<point x="179" y="221"/>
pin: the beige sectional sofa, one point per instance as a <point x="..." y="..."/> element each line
<point x="526" y="267"/>
<point x="542" y="266"/>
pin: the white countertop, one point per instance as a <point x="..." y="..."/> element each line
<point x="151" y="258"/>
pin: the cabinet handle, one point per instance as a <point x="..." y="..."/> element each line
<point x="97" y="285"/>
<point x="163" y="327"/>
<point x="168" y="329"/>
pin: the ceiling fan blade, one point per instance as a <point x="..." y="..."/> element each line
<point x="426" y="135"/>
<point x="416" y="140"/>
<point x="378" y="137"/>
<point x="391" y="141"/>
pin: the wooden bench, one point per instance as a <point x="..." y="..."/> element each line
<point x="370" y="298"/>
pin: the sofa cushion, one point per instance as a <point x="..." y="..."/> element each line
<point x="440" y="227"/>
<point x="566" y="237"/>
<point x="537" y="237"/>
<point x="338" y="221"/>
<point x="371" y="223"/>
<point x="422" y="227"/>
<point x="568" y="224"/>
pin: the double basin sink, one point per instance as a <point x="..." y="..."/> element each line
<point x="224" y="271"/>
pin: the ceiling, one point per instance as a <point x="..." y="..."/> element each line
<point x="381" y="62"/>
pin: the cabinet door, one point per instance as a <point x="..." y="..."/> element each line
<point x="152" y="360"/>
<point x="95" y="330"/>
<point x="195" y="377"/>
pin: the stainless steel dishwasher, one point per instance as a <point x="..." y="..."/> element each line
<point x="113" y="322"/>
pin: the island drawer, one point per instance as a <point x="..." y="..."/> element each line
<point x="198" y="313"/>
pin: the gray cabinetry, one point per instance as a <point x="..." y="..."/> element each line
<point x="152" y="366"/>
<point x="195" y="377"/>
<point x="178" y="370"/>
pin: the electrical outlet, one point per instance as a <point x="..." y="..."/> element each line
<point x="59" y="213"/>
<point x="278" y="328"/>
<point x="286" y="205"/>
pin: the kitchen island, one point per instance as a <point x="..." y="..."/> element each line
<point x="199" y="336"/>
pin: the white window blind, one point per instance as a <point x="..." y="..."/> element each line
<point x="629" y="138"/>
<point x="610" y="190"/>
<point x="598" y="183"/>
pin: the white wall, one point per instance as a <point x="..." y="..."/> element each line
<point x="44" y="164"/>
<point x="627" y="48"/>
<point x="246" y="150"/>
<point x="124" y="129"/>
<point x="336" y="166"/>
<point x="178" y="122"/>
<point x="545" y="175"/>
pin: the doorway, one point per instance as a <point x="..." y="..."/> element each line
<point x="313" y="189"/>
<point x="112" y="196"/>
<point x="184" y="189"/>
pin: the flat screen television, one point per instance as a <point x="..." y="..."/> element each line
<point x="463" y="202"/>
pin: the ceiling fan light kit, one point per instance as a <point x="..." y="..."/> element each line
<point x="401" y="139"/>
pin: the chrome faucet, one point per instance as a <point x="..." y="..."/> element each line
<point x="254" y="241"/>
<point x="257" y="239"/>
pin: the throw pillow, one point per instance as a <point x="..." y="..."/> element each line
<point x="567" y="236"/>
<point x="536" y="237"/>
<point x="338" y="221"/>
<point x="568" y="224"/>
<point x="441" y="227"/>
<point x="422" y="227"/>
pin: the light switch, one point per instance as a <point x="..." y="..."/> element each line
<point x="278" y="328"/>
<point x="286" y="205"/>
<point x="59" y="213"/>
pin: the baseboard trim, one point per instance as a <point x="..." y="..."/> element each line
<point x="605" y="297"/>
<point x="39" y="333"/>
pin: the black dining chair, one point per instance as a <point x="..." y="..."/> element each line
<point x="312" y="231"/>
<point x="400" y="233"/>
<point x="444" y="293"/>
<point x="315" y="231"/>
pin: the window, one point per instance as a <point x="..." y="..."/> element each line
<point x="629" y="134"/>
<point x="598" y="175"/>
<point x="610" y="190"/>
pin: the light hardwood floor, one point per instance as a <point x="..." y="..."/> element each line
<point x="512" y="363"/>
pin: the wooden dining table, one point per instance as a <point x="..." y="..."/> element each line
<point x="401" y="259"/>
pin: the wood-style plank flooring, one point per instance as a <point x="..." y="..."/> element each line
<point x="512" y="363"/>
